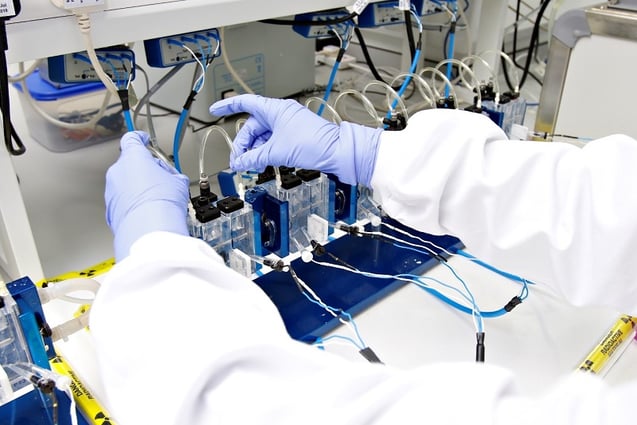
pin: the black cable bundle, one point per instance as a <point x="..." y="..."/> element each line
<point x="535" y="35"/>
<point x="10" y="134"/>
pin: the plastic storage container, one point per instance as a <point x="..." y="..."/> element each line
<point x="73" y="104"/>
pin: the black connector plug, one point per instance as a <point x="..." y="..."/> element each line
<point x="512" y="304"/>
<point x="276" y="265"/>
<point x="370" y="355"/>
<point x="317" y="248"/>
<point x="8" y="10"/>
<point x="396" y="122"/>
<point x="480" y="347"/>
<point x="123" y="98"/>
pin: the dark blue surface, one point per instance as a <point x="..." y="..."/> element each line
<point x="350" y="292"/>
<point x="25" y="294"/>
<point x="34" y="408"/>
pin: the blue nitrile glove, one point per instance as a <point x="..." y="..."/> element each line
<point x="143" y="195"/>
<point x="283" y="132"/>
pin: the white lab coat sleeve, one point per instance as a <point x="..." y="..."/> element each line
<point x="182" y="339"/>
<point x="554" y="213"/>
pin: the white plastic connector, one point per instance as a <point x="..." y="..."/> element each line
<point x="306" y="256"/>
<point x="68" y="328"/>
<point x="61" y="290"/>
<point x="374" y="220"/>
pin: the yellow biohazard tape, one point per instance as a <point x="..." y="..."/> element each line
<point x="95" y="270"/>
<point x="87" y="403"/>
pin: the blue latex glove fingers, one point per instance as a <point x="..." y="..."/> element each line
<point x="252" y="134"/>
<point x="275" y="130"/>
<point x="283" y="132"/>
<point x="143" y="195"/>
<point x="263" y="109"/>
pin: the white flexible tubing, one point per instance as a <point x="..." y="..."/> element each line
<point x="84" y="22"/>
<point x="367" y="104"/>
<point x="204" y="142"/>
<point x="389" y="94"/>
<point x="421" y="84"/>
<point x="336" y="119"/>
<point x="474" y="58"/>
<point x="231" y="69"/>
<point x="60" y="290"/>
<point x="72" y="126"/>
<point x="24" y="73"/>
<point x="437" y="73"/>
<point x="466" y="69"/>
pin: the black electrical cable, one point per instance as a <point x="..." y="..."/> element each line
<point x="368" y="58"/>
<point x="514" y="48"/>
<point x="515" y="32"/>
<point x="10" y="134"/>
<point x="534" y="37"/>
<point x="410" y="34"/>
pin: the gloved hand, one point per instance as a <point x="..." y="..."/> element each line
<point x="283" y="132"/>
<point x="143" y="195"/>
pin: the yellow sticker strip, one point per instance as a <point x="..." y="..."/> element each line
<point x="87" y="403"/>
<point x="95" y="270"/>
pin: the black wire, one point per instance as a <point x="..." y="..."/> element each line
<point x="514" y="52"/>
<point x="10" y="134"/>
<point x="534" y="36"/>
<point x="410" y="35"/>
<point x="515" y="32"/>
<point x="368" y="58"/>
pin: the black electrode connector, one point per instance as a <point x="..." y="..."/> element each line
<point x="284" y="170"/>
<point x="207" y="213"/>
<point x="267" y="175"/>
<point x="350" y="230"/>
<point x="473" y="108"/>
<point x="452" y="27"/>
<point x="43" y="384"/>
<point x="446" y="103"/>
<point x="290" y="181"/>
<point x="513" y="303"/>
<point x="317" y="248"/>
<point x="276" y="265"/>
<point x="487" y="92"/>
<point x="480" y="347"/>
<point x="395" y="123"/>
<point x="123" y="98"/>
<point x="508" y="96"/>
<point x="189" y="100"/>
<point x="230" y="204"/>
<point x="204" y="187"/>
<point x="370" y="355"/>
<point x="308" y="175"/>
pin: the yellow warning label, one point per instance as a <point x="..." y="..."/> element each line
<point x="95" y="270"/>
<point x="90" y="407"/>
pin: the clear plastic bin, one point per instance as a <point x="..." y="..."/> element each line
<point x="76" y="107"/>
